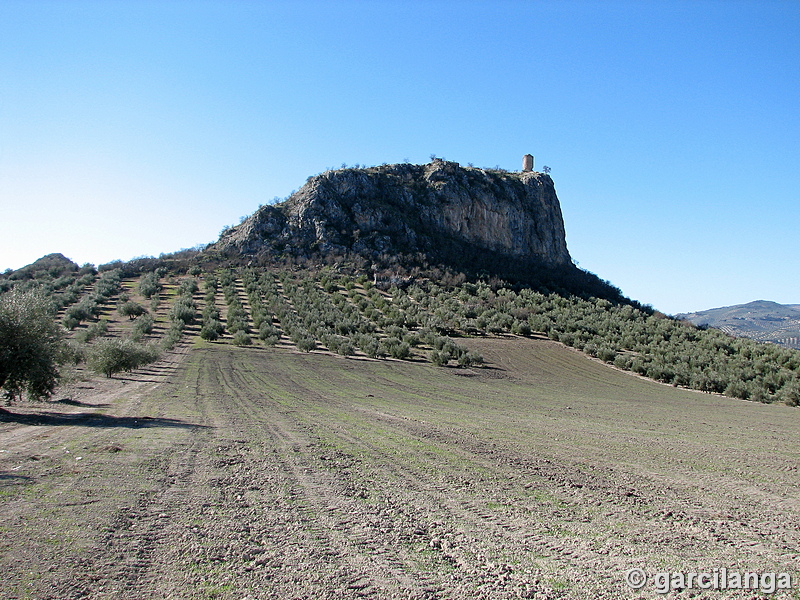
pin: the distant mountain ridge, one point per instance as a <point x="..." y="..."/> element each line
<point x="760" y="320"/>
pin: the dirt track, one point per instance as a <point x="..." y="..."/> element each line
<point x="270" y="474"/>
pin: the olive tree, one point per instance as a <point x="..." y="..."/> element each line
<point x="112" y="355"/>
<point x="131" y="309"/>
<point x="32" y="345"/>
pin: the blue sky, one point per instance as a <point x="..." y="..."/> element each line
<point x="672" y="128"/>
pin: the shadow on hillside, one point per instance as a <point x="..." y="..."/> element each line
<point x="71" y="402"/>
<point x="91" y="420"/>
<point x="9" y="478"/>
<point x="137" y="380"/>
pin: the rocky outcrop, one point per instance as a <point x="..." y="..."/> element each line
<point x="440" y="209"/>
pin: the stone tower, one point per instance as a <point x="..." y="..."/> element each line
<point x="527" y="163"/>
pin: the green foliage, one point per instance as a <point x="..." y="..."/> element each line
<point x="268" y="333"/>
<point x="184" y="311"/>
<point x="90" y="305"/>
<point x="144" y="324"/>
<point x="148" y="285"/>
<point x="469" y="359"/>
<point x="305" y="343"/>
<point x="31" y="345"/>
<point x="440" y="359"/>
<point x="790" y="393"/>
<point x="131" y="309"/>
<point x="211" y="330"/>
<point x="240" y="338"/>
<point x="74" y="352"/>
<point x="113" y="355"/>
<point x="92" y="331"/>
<point x="173" y="335"/>
<point x="395" y="348"/>
<point x="369" y="344"/>
<point x="188" y="287"/>
<point x="329" y="309"/>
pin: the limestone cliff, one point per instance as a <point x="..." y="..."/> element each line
<point x="440" y="209"/>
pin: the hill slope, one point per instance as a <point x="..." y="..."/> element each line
<point x="761" y="320"/>
<point x="50" y="266"/>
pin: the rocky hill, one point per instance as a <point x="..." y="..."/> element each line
<point x="49" y="266"/>
<point x="761" y="320"/>
<point x="445" y="212"/>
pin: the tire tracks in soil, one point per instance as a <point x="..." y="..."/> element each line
<point x="283" y="490"/>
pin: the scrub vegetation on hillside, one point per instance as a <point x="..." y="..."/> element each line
<point x="417" y="319"/>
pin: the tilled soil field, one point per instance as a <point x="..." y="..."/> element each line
<point x="266" y="473"/>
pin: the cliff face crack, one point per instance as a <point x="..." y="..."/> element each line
<point x="440" y="209"/>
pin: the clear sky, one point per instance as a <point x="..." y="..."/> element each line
<point x="672" y="128"/>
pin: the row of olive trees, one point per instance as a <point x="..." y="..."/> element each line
<point x="91" y="304"/>
<point x="212" y="327"/>
<point x="627" y="336"/>
<point x="406" y="325"/>
<point x="258" y="290"/>
<point x="342" y="318"/>
<point x="238" y="321"/>
<point x="182" y="313"/>
<point x="287" y="315"/>
<point x="149" y="283"/>
<point x="71" y="293"/>
<point x="111" y="355"/>
<point x="331" y="319"/>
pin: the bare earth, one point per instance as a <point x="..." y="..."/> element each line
<point x="264" y="473"/>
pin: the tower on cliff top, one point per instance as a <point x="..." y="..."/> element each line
<point x="527" y="163"/>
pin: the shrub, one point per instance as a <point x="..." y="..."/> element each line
<point x="369" y="345"/>
<point x="131" y="309"/>
<point x="209" y="332"/>
<point x="306" y="343"/>
<point x="31" y="345"/>
<point x="790" y="394"/>
<point x="401" y="350"/>
<point x="240" y="338"/>
<point x="183" y="310"/>
<point x="269" y="340"/>
<point x="412" y="339"/>
<point x="144" y="324"/>
<point x="92" y="331"/>
<point x="395" y="348"/>
<point x="75" y="352"/>
<point x="440" y="359"/>
<point x="607" y="355"/>
<point x="70" y="322"/>
<point x="79" y="312"/>
<point x="468" y="359"/>
<point x="268" y="330"/>
<point x="187" y="287"/>
<point x="113" y="355"/>
<point x="737" y="389"/>
<point x="521" y="328"/>
<point x="173" y="336"/>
